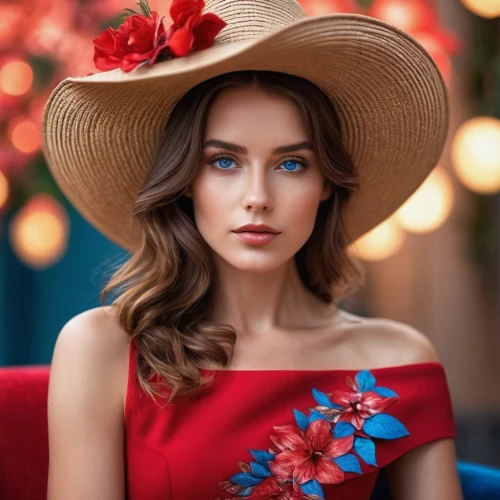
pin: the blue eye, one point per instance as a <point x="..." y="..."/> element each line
<point x="288" y="163"/>
<point x="224" y="164"/>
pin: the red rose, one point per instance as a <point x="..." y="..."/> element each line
<point x="138" y="39"/>
<point x="141" y="38"/>
<point x="191" y="30"/>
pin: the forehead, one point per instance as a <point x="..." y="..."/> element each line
<point x="251" y="112"/>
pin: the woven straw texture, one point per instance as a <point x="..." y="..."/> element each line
<point x="101" y="132"/>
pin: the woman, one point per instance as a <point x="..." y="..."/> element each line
<point x="223" y="368"/>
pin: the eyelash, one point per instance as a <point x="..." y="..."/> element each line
<point x="301" y="161"/>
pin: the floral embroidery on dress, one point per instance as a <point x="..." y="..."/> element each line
<point x="319" y="448"/>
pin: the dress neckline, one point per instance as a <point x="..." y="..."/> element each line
<point x="383" y="369"/>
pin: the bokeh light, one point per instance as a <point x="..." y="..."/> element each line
<point x="39" y="232"/>
<point x="25" y="136"/>
<point x="408" y="15"/>
<point x="381" y="242"/>
<point x="475" y="154"/>
<point x="4" y="189"/>
<point x="16" y="78"/>
<point x="483" y="8"/>
<point x="429" y="206"/>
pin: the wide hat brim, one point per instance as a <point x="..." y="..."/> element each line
<point x="101" y="132"/>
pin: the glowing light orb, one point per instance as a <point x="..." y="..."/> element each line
<point x="475" y="154"/>
<point x="4" y="189"/>
<point x="380" y="243"/>
<point x="429" y="206"/>
<point x="16" y="78"/>
<point x="39" y="232"/>
<point x="483" y="8"/>
<point x="25" y="136"/>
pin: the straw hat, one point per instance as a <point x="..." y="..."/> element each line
<point x="101" y="132"/>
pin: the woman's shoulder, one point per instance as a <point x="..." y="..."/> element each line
<point x="96" y="329"/>
<point x="94" y="337"/>
<point x="382" y="342"/>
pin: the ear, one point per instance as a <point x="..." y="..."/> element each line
<point x="327" y="190"/>
<point x="189" y="192"/>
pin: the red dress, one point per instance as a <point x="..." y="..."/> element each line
<point x="282" y="434"/>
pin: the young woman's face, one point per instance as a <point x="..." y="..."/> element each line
<point x="245" y="181"/>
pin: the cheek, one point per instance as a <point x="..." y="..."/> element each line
<point x="210" y="205"/>
<point x="300" y="209"/>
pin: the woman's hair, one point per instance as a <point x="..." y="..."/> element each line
<point x="164" y="290"/>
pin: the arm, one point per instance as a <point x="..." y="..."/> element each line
<point x="426" y="472"/>
<point x="85" y="413"/>
<point x="430" y="470"/>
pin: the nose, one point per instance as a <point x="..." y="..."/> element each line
<point x="257" y="192"/>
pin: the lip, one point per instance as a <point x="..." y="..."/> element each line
<point x="256" y="228"/>
<point x="254" y="238"/>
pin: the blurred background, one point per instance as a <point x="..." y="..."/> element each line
<point x="435" y="264"/>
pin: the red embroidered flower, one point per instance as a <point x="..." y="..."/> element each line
<point x="306" y="456"/>
<point x="143" y="38"/>
<point x="358" y="406"/>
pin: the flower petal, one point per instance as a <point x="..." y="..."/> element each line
<point x="318" y="435"/>
<point x="328" y="472"/>
<point x="339" y="446"/>
<point x="181" y="42"/>
<point x="206" y="30"/>
<point x="342" y="398"/>
<point x="288" y="437"/>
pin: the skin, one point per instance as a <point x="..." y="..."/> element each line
<point x="257" y="291"/>
<point x="258" y="188"/>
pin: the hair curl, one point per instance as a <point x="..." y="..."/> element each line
<point x="164" y="288"/>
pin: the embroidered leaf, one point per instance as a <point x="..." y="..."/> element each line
<point x="323" y="399"/>
<point x="301" y="419"/>
<point x="262" y="457"/>
<point x="259" y="471"/>
<point x="365" y="448"/>
<point x="384" y="426"/>
<point x="385" y="392"/>
<point x="343" y="429"/>
<point x="316" y="415"/>
<point x="313" y="488"/>
<point x="348" y="463"/>
<point x="245" y="479"/>
<point x="365" y="380"/>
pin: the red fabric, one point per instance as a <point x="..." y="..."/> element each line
<point x="185" y="450"/>
<point x="24" y="447"/>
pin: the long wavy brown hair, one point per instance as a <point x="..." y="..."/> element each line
<point x="164" y="290"/>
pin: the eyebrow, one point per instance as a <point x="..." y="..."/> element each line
<point x="240" y="149"/>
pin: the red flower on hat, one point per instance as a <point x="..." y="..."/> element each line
<point x="142" y="38"/>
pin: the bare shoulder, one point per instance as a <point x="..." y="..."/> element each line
<point x="97" y="331"/>
<point x="94" y="337"/>
<point x="85" y="408"/>
<point x="385" y="342"/>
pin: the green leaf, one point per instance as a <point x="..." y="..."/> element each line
<point x="143" y="4"/>
<point x="126" y="14"/>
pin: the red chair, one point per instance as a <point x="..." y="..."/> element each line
<point x="24" y="444"/>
